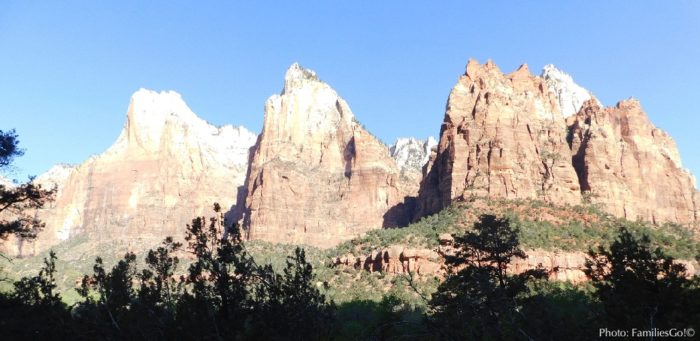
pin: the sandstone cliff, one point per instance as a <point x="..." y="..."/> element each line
<point x="316" y="176"/>
<point x="630" y="167"/>
<point x="502" y="136"/>
<point x="166" y="167"/>
<point x="518" y="136"/>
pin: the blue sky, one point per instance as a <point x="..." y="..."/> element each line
<point x="68" y="68"/>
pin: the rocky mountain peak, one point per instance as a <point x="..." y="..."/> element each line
<point x="412" y="154"/>
<point x="317" y="176"/>
<point x="298" y="77"/>
<point x="167" y="166"/>
<point x="570" y="95"/>
<point x="55" y="176"/>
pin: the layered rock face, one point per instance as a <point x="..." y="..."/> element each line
<point x="518" y="136"/>
<point x="412" y="154"/>
<point x="629" y="166"/>
<point x="167" y="167"/>
<point x="316" y="176"/>
<point x="502" y="136"/>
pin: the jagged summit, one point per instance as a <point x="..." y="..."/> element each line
<point x="570" y="95"/>
<point x="157" y="120"/>
<point x="297" y="77"/>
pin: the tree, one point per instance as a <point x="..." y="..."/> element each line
<point x="35" y="310"/>
<point x="9" y="148"/>
<point x="479" y="299"/>
<point x="641" y="287"/>
<point x="289" y="306"/>
<point x="40" y="289"/>
<point x="16" y="203"/>
<point x="217" y="301"/>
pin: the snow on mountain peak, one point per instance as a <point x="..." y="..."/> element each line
<point x="410" y="153"/>
<point x="570" y="95"/>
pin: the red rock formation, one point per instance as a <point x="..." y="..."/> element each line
<point x="398" y="259"/>
<point x="502" y="136"/>
<point x="629" y="166"/>
<point x="317" y="177"/>
<point x="166" y="167"/>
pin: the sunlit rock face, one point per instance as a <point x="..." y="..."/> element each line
<point x="166" y="167"/>
<point x="316" y="176"/>
<point x="629" y="166"/>
<point x="503" y="135"/>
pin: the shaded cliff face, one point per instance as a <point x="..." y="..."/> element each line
<point x="502" y="136"/>
<point x="629" y="166"/>
<point x="166" y="167"/>
<point x="316" y="176"/>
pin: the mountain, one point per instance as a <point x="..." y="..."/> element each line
<point x="412" y="154"/>
<point x="502" y="136"/>
<point x="518" y="136"/>
<point x="166" y="167"/>
<point x="316" y="176"/>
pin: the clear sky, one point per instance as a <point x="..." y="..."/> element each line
<point x="68" y="68"/>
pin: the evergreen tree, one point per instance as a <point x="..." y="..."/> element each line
<point x="15" y="202"/>
<point x="289" y="306"/>
<point x="479" y="299"/>
<point x="641" y="287"/>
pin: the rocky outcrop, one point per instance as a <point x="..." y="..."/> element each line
<point x="629" y="167"/>
<point x="502" y="136"/>
<point x="316" y="176"/>
<point x="412" y="154"/>
<point x="166" y="167"/>
<point x="398" y="259"/>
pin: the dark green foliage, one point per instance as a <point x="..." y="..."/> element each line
<point x="478" y="299"/>
<point x="561" y="311"/>
<point x="218" y="301"/>
<point x="9" y="147"/>
<point x="289" y="306"/>
<point x="35" y="311"/>
<point x="225" y="295"/>
<point x="641" y="287"/>
<point x="15" y="201"/>
<point x="390" y="318"/>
